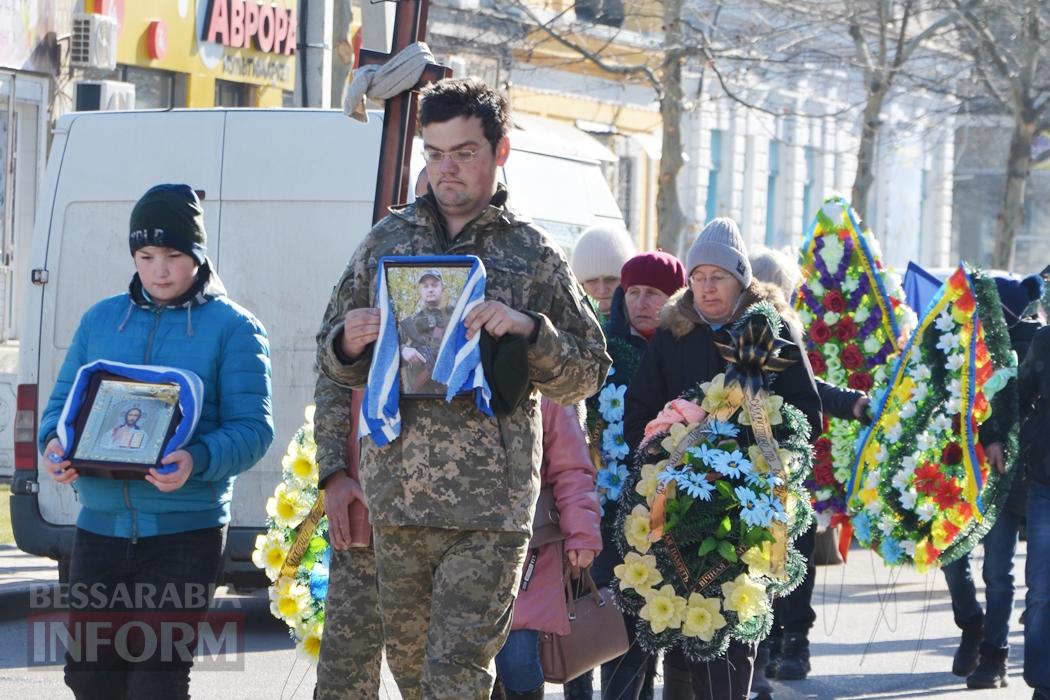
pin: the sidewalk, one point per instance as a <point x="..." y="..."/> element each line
<point x="19" y="573"/>
<point x="880" y="633"/>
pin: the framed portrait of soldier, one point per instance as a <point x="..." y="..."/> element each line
<point x="423" y="298"/>
<point x="123" y="425"/>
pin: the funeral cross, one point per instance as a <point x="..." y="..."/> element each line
<point x="399" y="114"/>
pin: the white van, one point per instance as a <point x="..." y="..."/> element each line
<point x="287" y="197"/>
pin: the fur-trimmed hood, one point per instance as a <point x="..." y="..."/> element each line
<point x="679" y="313"/>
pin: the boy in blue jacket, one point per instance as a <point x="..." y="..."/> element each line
<point x="146" y="549"/>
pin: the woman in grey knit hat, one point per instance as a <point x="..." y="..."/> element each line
<point x="683" y="354"/>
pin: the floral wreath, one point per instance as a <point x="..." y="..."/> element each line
<point x="294" y="552"/>
<point x="921" y="490"/>
<point x="708" y="516"/>
<point x="854" y="312"/>
<point x="609" y="449"/>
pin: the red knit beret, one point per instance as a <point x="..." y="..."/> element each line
<point x="658" y="269"/>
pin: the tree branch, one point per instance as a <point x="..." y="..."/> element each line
<point x="615" y="69"/>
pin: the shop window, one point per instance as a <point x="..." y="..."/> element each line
<point x="229" y="94"/>
<point x="154" y="89"/>
<point x="609" y="12"/>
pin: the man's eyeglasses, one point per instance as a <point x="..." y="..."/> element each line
<point x="460" y="156"/>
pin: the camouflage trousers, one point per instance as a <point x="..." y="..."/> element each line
<point x="352" y="645"/>
<point x="447" y="603"/>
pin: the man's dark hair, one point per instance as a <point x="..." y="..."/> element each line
<point x="466" y="97"/>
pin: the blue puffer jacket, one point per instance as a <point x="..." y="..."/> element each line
<point x="227" y="347"/>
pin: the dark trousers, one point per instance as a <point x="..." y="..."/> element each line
<point x="139" y="587"/>
<point x="727" y="678"/>
<point x="998" y="571"/>
<point x="794" y="614"/>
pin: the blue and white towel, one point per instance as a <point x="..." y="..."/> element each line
<point x="458" y="362"/>
<point x="191" y="397"/>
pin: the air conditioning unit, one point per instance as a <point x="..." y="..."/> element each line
<point x="104" y="95"/>
<point x="94" y="41"/>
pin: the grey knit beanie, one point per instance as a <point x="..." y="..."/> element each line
<point x="721" y="244"/>
<point x="600" y="252"/>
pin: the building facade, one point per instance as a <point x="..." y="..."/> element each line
<point x="190" y="53"/>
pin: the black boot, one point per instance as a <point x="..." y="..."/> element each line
<point x="991" y="669"/>
<point x="760" y="685"/>
<point x="581" y="688"/>
<point x="966" y="655"/>
<point x="536" y="694"/>
<point x="794" y="659"/>
<point x="498" y="693"/>
<point x="774" y="645"/>
<point x="678" y="683"/>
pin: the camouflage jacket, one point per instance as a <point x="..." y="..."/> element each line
<point x="452" y="466"/>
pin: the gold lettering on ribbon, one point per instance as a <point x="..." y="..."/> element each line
<point x="763" y="430"/>
<point x="677" y="559"/>
<point x="303" y="536"/>
<point x="705" y="580"/>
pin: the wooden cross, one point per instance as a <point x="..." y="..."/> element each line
<point x="399" y="114"/>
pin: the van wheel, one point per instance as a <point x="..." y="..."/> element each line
<point x="63" y="570"/>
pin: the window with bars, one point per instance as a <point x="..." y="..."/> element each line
<point x="711" y="204"/>
<point x="625" y="190"/>
<point x="772" y="193"/>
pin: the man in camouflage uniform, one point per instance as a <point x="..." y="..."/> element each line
<point x="452" y="498"/>
<point x="421" y="335"/>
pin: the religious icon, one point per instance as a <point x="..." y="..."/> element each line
<point x="423" y="299"/>
<point x="123" y="425"/>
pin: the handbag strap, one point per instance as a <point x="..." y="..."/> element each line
<point x="585" y="580"/>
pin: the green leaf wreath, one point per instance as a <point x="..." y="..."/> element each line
<point x="705" y="574"/>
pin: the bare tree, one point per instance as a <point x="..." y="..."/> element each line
<point x="1008" y="40"/>
<point x="885" y="35"/>
<point x="770" y="41"/>
<point x="662" y="71"/>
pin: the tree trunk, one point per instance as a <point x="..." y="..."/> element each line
<point x="869" y="137"/>
<point x="1011" y="212"/>
<point x="670" y="221"/>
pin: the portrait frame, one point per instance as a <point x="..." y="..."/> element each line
<point x="110" y="440"/>
<point x="418" y="316"/>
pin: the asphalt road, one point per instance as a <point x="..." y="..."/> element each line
<point x="880" y="633"/>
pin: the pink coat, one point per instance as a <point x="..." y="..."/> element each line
<point x="568" y="468"/>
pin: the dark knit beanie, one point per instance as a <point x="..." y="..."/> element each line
<point x="169" y="216"/>
<point x="1016" y="294"/>
<point x="659" y="269"/>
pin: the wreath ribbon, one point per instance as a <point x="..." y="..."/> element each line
<point x="763" y="430"/>
<point x="751" y="351"/>
<point x="303" y="536"/>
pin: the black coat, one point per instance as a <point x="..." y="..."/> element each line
<point x="683" y="354"/>
<point x="838" y="401"/>
<point x="1033" y="381"/>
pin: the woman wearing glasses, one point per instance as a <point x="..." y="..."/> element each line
<point x="683" y="354"/>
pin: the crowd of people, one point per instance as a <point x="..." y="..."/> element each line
<point x="451" y="588"/>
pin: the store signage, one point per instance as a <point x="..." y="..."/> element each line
<point x="246" y="24"/>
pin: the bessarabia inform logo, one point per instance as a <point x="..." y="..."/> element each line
<point x="140" y="624"/>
